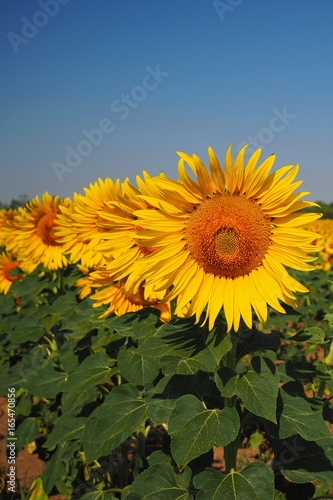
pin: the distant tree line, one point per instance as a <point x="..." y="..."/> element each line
<point x="324" y="208"/>
<point x="15" y="203"/>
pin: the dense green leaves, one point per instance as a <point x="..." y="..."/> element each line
<point x="122" y="412"/>
<point x="254" y="482"/>
<point x="194" y="429"/>
<point x="65" y="429"/>
<point x="98" y="397"/>
<point x="137" y="368"/>
<point x="303" y="460"/>
<point x="92" y="371"/>
<point x="297" y="417"/>
<point x="258" y="388"/>
<point x="163" y="483"/>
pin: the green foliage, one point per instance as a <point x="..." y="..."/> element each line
<point x="132" y="408"/>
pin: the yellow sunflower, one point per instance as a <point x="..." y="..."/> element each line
<point x="119" y="226"/>
<point x="226" y="237"/>
<point x="325" y="229"/>
<point x="122" y="300"/>
<point x="10" y="271"/>
<point x="77" y="228"/>
<point x="34" y="232"/>
<point x="7" y="226"/>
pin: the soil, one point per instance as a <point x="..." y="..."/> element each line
<point x="28" y="466"/>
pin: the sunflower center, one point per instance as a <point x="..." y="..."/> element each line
<point x="227" y="241"/>
<point x="44" y="229"/>
<point x="228" y="235"/>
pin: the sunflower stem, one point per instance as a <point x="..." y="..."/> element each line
<point x="230" y="450"/>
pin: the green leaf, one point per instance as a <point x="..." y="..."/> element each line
<point x="203" y="361"/>
<point x="137" y="368"/>
<point x="145" y="323"/>
<point x="301" y="461"/>
<point x="47" y="382"/>
<point x="297" y="417"/>
<point x="92" y="371"/>
<point x="63" y="306"/>
<point x="256" y="439"/>
<point x="159" y="482"/>
<point x="195" y="430"/>
<point x="180" y="338"/>
<point x="219" y="343"/>
<point x="73" y="401"/>
<point x="123" y="324"/>
<point x="122" y="412"/>
<point x="207" y="482"/>
<point x="37" y="491"/>
<point x="7" y="304"/>
<point x="250" y="341"/>
<point x="69" y="360"/>
<point x="30" y="287"/>
<point x="65" y="429"/>
<point x="300" y="370"/>
<point x="254" y="482"/>
<point x="313" y="335"/>
<point x="162" y="398"/>
<point x="97" y="495"/>
<point x="82" y="319"/>
<point x="258" y="388"/>
<point x="55" y="468"/>
<point x="226" y="381"/>
<point x="26" y="328"/>
<point x="26" y="432"/>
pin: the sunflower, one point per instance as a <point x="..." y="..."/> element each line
<point x="122" y="300"/>
<point x="10" y="271"/>
<point x="119" y="226"/>
<point x="34" y="232"/>
<point x="226" y="238"/>
<point x="7" y="225"/>
<point x="325" y="229"/>
<point x="77" y="228"/>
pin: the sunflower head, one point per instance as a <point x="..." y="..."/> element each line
<point x="35" y="239"/>
<point x="226" y="236"/>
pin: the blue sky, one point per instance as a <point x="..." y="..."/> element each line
<point x="110" y="88"/>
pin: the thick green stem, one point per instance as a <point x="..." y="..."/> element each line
<point x="230" y="450"/>
<point x="328" y="362"/>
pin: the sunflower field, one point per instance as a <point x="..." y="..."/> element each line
<point x="168" y="340"/>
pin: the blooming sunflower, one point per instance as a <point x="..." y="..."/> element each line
<point x="7" y="225"/>
<point x="325" y="229"/>
<point x="119" y="226"/>
<point x="226" y="238"/>
<point x="10" y="271"/>
<point x="34" y="232"/>
<point x="77" y="228"/>
<point x="122" y="300"/>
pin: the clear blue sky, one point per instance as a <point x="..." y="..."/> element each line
<point x="160" y="76"/>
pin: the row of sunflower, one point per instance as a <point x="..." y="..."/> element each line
<point x="211" y="240"/>
<point x="325" y="228"/>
